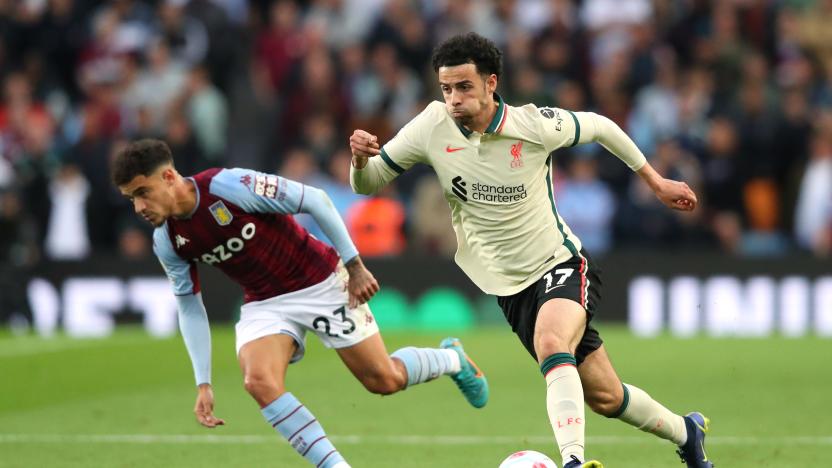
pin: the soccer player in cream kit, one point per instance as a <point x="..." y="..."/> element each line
<point x="494" y="162"/>
<point x="239" y="221"/>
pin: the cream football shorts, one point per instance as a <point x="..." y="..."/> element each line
<point x="321" y="308"/>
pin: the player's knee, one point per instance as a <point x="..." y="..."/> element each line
<point x="382" y="384"/>
<point x="603" y="402"/>
<point x="548" y="344"/>
<point x="262" y="386"/>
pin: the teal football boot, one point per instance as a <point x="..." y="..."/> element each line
<point x="470" y="379"/>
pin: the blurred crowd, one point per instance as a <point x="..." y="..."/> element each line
<point x="734" y="97"/>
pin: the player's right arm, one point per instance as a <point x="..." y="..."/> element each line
<point x="373" y="166"/>
<point x="193" y="322"/>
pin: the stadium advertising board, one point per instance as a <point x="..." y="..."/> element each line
<point x="684" y="295"/>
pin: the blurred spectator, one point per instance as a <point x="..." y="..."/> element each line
<point x="253" y="116"/>
<point x="532" y="15"/>
<point x="722" y="179"/>
<point x="762" y="205"/>
<point x="235" y="10"/>
<point x="133" y="13"/>
<point x="185" y="35"/>
<point x="299" y="165"/>
<point x="157" y="86"/>
<point x="17" y="246"/>
<point x="790" y="149"/>
<point x="601" y="15"/>
<point x="133" y="243"/>
<point x="494" y="19"/>
<point x="345" y="21"/>
<point x="696" y="102"/>
<point x="21" y="113"/>
<point x="336" y="183"/>
<point x="187" y="154"/>
<point x="610" y="23"/>
<point x="392" y="21"/>
<point x="655" y="115"/>
<point x="320" y="135"/>
<point x="431" y="229"/>
<point x="725" y="93"/>
<point x="377" y="225"/>
<point x="6" y="174"/>
<point x="221" y="19"/>
<point x="91" y="154"/>
<point x="280" y="44"/>
<point x="117" y="28"/>
<point x="527" y="87"/>
<point x="207" y="113"/>
<point x="316" y="90"/>
<point x="645" y="221"/>
<point x="60" y="38"/>
<point x="99" y="115"/>
<point x="645" y="57"/>
<point x="756" y="126"/>
<point x="813" y="218"/>
<point x="587" y="205"/>
<point x="723" y="51"/>
<point x="67" y="235"/>
<point x="18" y="254"/>
<point x="389" y="88"/>
<point x="414" y="48"/>
<point x="814" y="32"/>
<point x="570" y="95"/>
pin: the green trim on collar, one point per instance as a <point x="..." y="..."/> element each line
<point x="496" y="122"/>
<point x="498" y="116"/>
<point x="462" y="129"/>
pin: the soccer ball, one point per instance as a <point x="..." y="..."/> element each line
<point x="528" y="459"/>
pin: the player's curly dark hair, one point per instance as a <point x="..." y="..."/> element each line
<point x="469" y="48"/>
<point x="141" y="157"/>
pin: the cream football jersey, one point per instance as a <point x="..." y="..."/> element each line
<point x="498" y="185"/>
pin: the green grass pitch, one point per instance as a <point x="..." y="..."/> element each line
<point x="126" y="401"/>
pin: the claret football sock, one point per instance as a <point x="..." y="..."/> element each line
<point x="304" y="433"/>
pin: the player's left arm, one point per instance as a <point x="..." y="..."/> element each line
<point x="564" y="128"/>
<point x="267" y="193"/>
<point x="362" y="285"/>
<point x="674" y="194"/>
<point x="193" y="323"/>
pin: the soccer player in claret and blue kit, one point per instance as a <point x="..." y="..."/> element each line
<point x="494" y="162"/>
<point x="240" y="221"/>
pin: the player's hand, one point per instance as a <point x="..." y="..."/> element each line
<point x="676" y="195"/>
<point x="363" y="145"/>
<point x="204" y="408"/>
<point x="362" y="284"/>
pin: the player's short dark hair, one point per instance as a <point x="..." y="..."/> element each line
<point x="469" y="48"/>
<point x="141" y="157"/>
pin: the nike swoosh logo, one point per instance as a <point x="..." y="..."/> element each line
<point x="553" y="287"/>
<point x="448" y="149"/>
